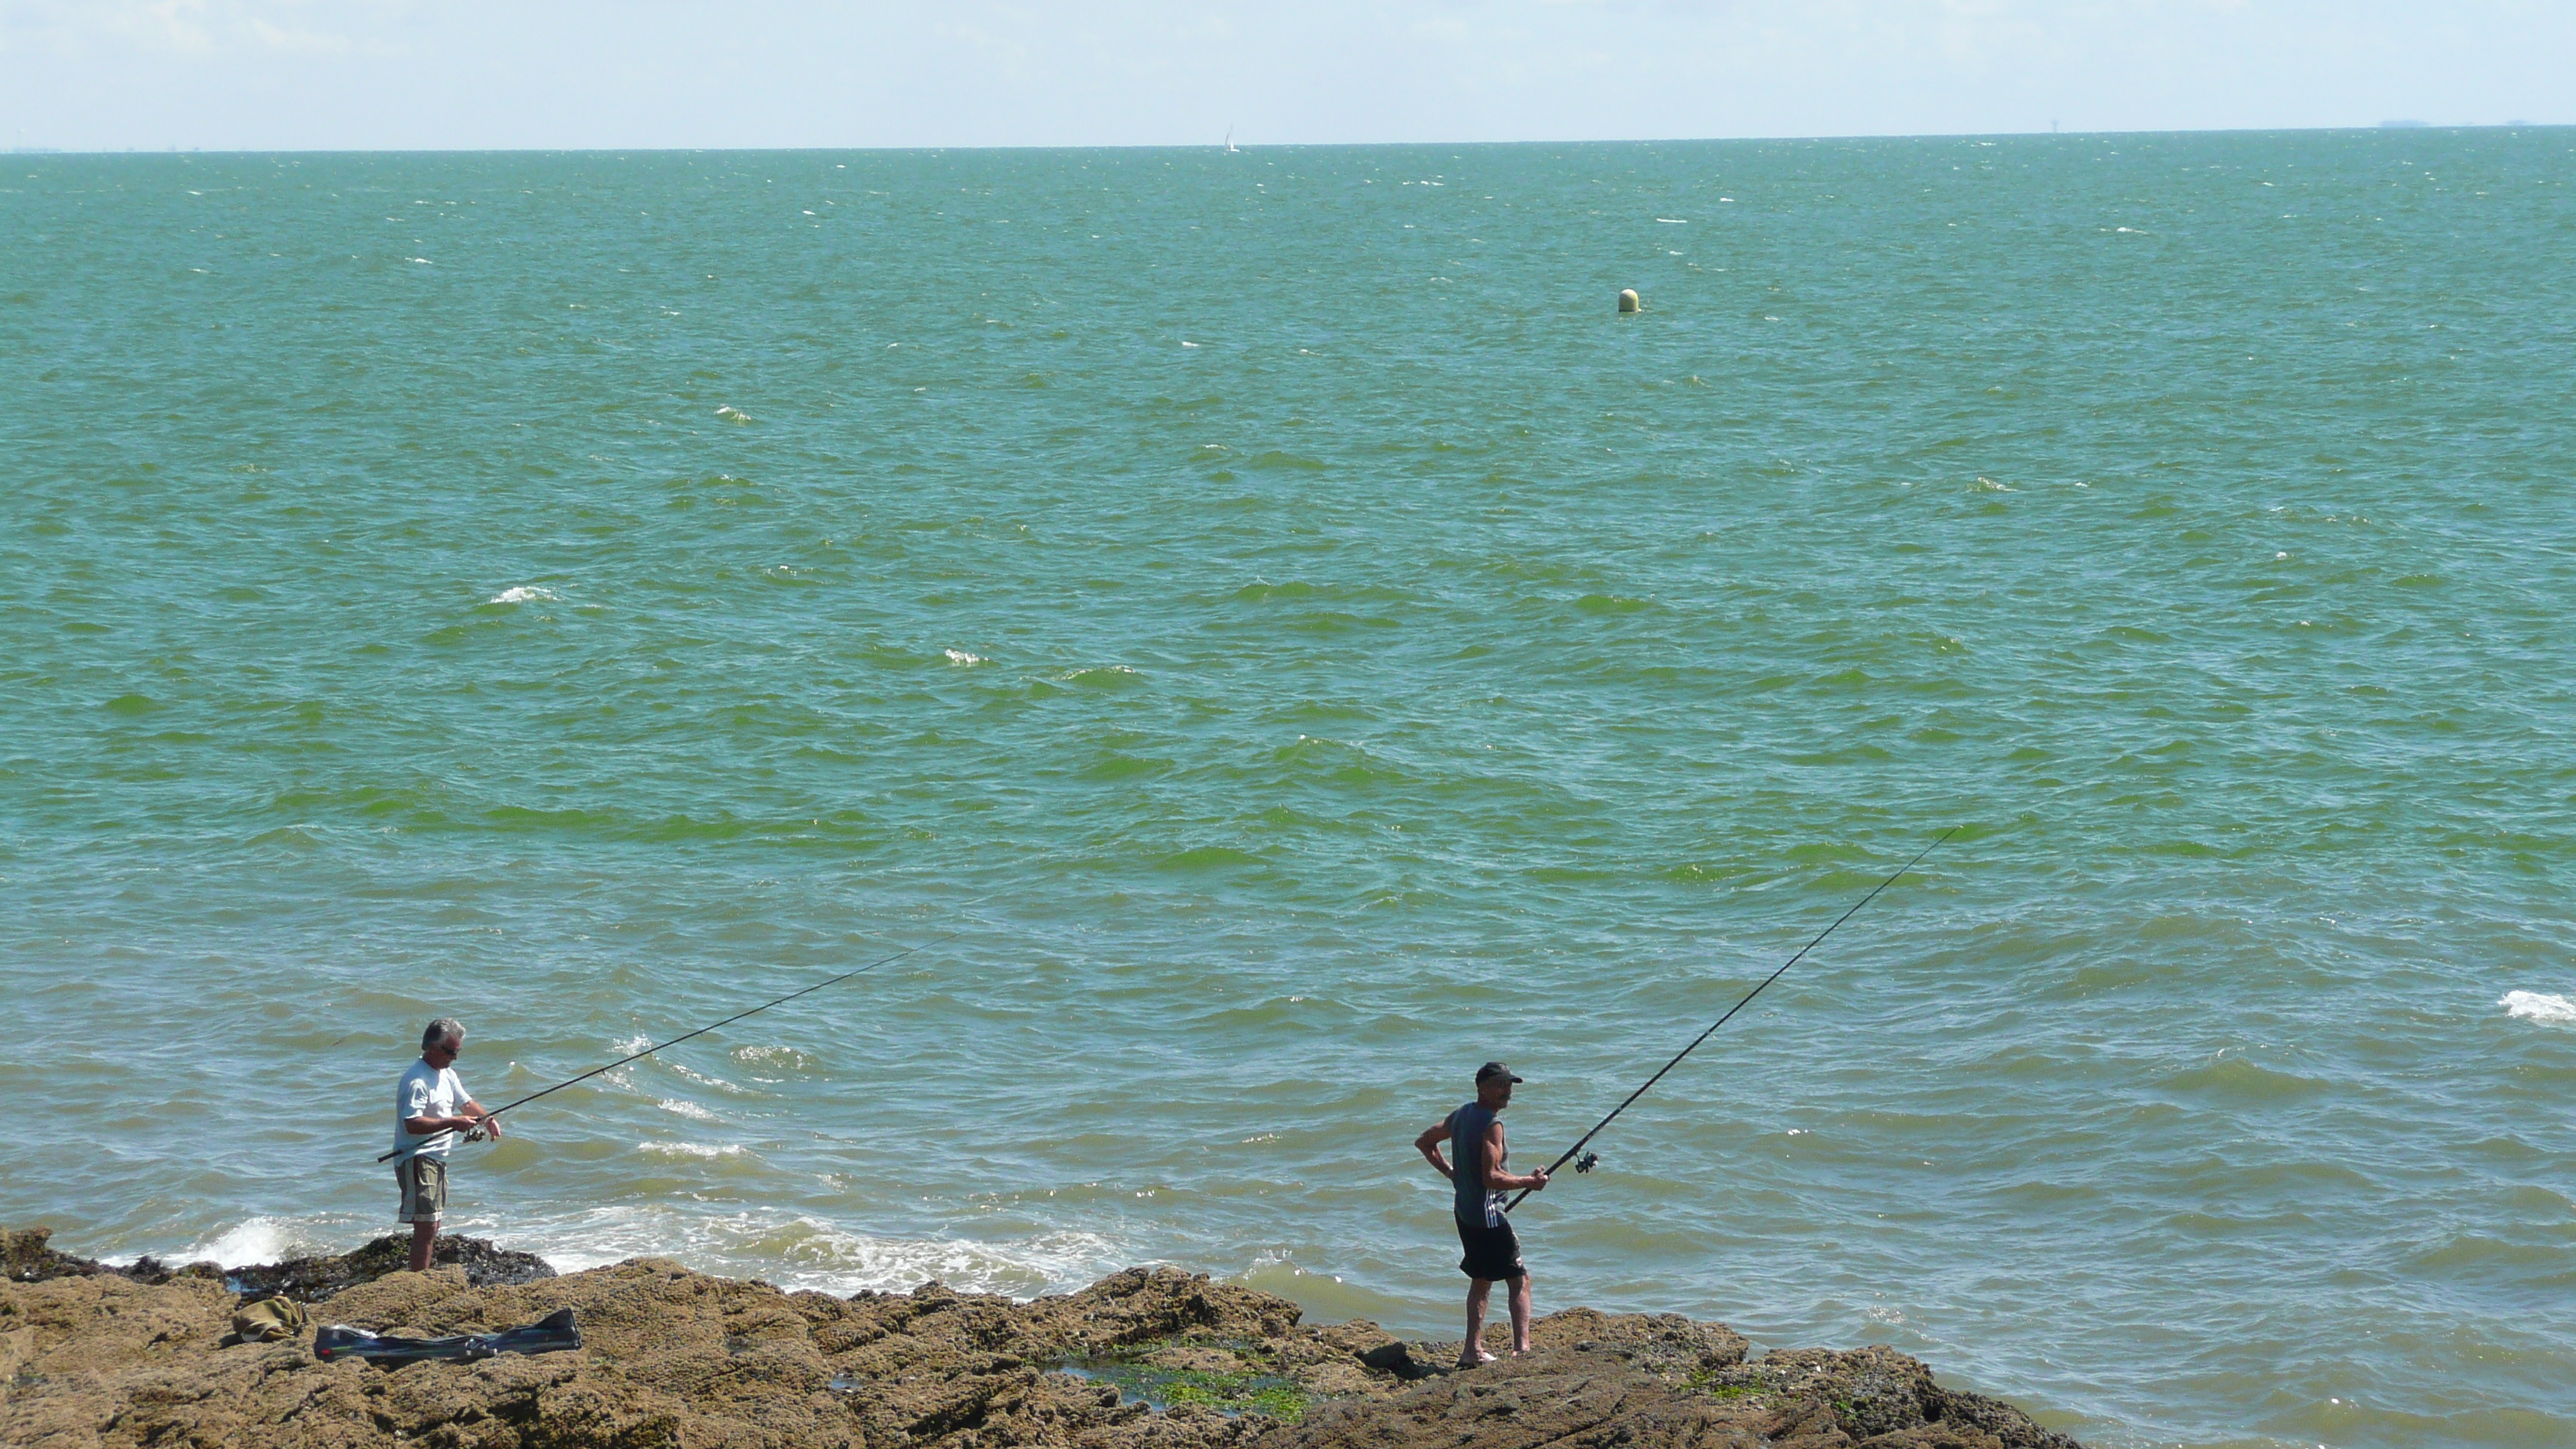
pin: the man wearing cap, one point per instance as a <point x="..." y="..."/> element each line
<point x="1475" y="1136"/>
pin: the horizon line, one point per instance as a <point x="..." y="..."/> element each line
<point x="1238" y="147"/>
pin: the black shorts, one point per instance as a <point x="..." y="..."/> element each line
<point x="1492" y="1253"/>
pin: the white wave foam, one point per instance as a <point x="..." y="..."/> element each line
<point x="784" y="1248"/>
<point x="960" y="656"/>
<point x="801" y="1252"/>
<point x="269" y="1240"/>
<point x="2534" y="1006"/>
<point x="769" y="1056"/>
<point x="703" y="1080"/>
<point x="260" y="1240"/>
<point x="525" y="594"/>
<point x="689" y="1149"/>
<point x="690" y="1110"/>
<point x="781" y="1060"/>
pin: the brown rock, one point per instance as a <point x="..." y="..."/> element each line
<point x="25" y="1257"/>
<point x="1881" y="1398"/>
<point x="1590" y="1398"/>
<point x="98" y="1360"/>
<point x="308" y="1279"/>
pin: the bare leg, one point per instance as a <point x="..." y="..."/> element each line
<point x="1520" y="1314"/>
<point x="1472" y="1352"/>
<point x="423" y="1235"/>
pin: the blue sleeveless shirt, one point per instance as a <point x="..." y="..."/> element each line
<point x="1476" y="1208"/>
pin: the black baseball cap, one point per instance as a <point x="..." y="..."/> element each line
<point x="1491" y="1070"/>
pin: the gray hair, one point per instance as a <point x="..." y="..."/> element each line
<point x="441" y="1030"/>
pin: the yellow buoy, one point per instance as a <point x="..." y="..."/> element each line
<point x="1628" y="300"/>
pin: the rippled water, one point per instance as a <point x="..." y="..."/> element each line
<point x="1302" y="643"/>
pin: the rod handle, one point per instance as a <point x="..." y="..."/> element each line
<point x="470" y="1134"/>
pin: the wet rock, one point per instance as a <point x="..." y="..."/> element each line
<point x="27" y="1257"/>
<point x="1374" y="1347"/>
<point x="1664" y="1344"/>
<point x="1880" y="1398"/>
<point x="1585" y="1397"/>
<point x="99" y="1360"/>
<point x="1636" y="1382"/>
<point x="307" y="1280"/>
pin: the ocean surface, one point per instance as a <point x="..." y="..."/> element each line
<point x="1267" y="636"/>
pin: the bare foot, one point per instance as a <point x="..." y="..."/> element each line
<point x="1471" y="1359"/>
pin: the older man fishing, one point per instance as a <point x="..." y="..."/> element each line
<point x="431" y="1107"/>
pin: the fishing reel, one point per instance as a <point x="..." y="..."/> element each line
<point x="1587" y="1162"/>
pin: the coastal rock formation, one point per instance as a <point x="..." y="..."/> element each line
<point x="1144" y="1359"/>
<point x="27" y="1257"/>
<point x="308" y="1280"/>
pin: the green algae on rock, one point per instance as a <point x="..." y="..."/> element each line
<point x="1228" y="1377"/>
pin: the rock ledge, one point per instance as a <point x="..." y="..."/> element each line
<point x="93" y="1356"/>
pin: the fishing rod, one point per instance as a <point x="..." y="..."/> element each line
<point x="1590" y="1158"/>
<point x="475" y="1133"/>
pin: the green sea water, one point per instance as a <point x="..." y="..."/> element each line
<point x="1284" y="639"/>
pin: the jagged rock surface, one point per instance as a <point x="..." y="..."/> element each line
<point x="27" y="1256"/>
<point x="308" y="1280"/>
<point x="673" y="1358"/>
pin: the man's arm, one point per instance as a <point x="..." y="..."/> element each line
<point x="424" y="1126"/>
<point x="1428" y="1144"/>
<point x="1497" y="1180"/>
<point x="473" y="1117"/>
<point x="420" y="1123"/>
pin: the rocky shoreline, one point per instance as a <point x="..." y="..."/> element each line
<point x="92" y="1355"/>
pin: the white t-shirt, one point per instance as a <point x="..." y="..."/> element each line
<point x="427" y="1091"/>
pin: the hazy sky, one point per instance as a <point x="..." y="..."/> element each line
<point x="370" y="74"/>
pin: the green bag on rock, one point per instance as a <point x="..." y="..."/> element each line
<point x="268" y="1319"/>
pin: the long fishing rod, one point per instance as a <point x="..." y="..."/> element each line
<point x="1586" y="1164"/>
<point x="701" y="1031"/>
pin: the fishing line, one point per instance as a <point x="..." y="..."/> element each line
<point x="1586" y="1164"/>
<point x="702" y="1031"/>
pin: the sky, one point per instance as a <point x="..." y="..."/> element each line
<point x="480" y="74"/>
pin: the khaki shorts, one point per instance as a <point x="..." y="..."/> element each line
<point x="424" y="1189"/>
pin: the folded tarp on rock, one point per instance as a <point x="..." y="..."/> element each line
<point x="551" y="1334"/>
<point x="267" y="1319"/>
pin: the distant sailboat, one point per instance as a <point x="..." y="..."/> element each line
<point x="1230" y="147"/>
